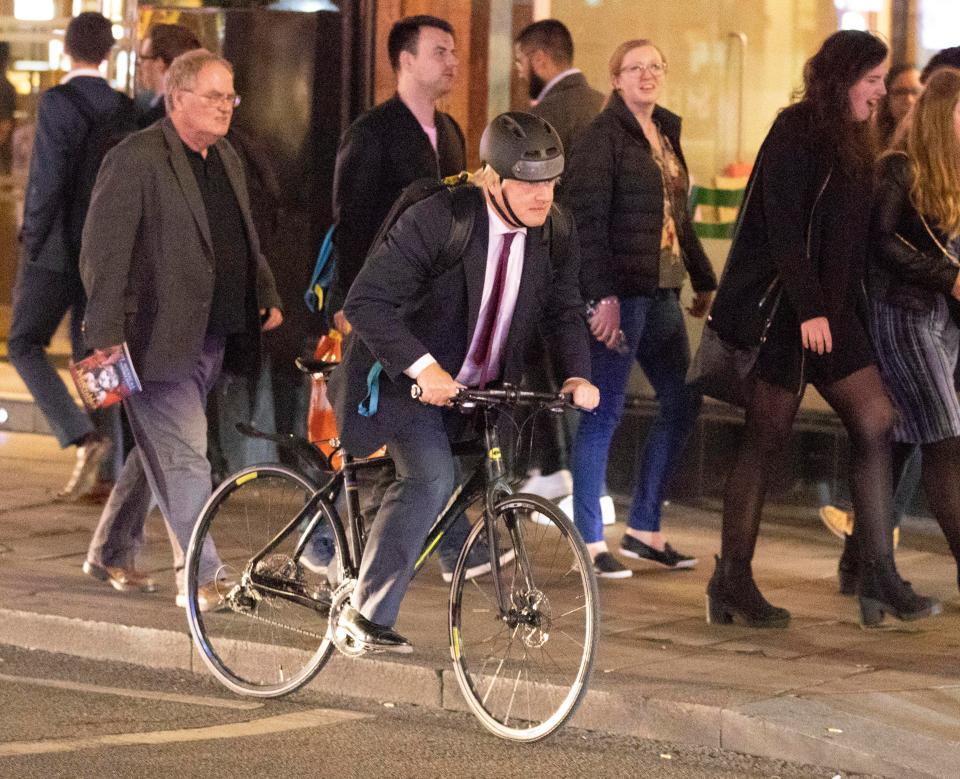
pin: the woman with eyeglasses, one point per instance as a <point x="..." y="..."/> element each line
<point x="626" y="184"/>
<point x="803" y="229"/>
<point x="914" y="283"/>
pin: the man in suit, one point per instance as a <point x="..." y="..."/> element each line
<point x="48" y="282"/>
<point x="171" y="263"/>
<point x="162" y="44"/>
<point x="446" y="328"/>
<point x="399" y="141"/>
<point x="559" y="92"/>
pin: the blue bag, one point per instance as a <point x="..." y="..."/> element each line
<point x="322" y="274"/>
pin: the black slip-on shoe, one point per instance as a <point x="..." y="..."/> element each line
<point x="668" y="558"/>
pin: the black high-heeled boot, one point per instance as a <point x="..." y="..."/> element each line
<point x="732" y="592"/>
<point x="848" y="569"/>
<point x="882" y="591"/>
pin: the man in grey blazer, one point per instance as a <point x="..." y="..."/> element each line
<point x="171" y="264"/>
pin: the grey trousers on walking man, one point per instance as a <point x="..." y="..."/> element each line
<point x="169" y="425"/>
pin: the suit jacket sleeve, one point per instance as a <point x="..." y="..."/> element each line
<point x="786" y="172"/>
<point x="357" y="171"/>
<point x="588" y="194"/>
<point x="109" y="236"/>
<point x="891" y="250"/>
<point x="58" y="126"/>
<point x="391" y="279"/>
<point x="566" y="328"/>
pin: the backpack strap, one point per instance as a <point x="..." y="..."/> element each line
<point x="461" y="228"/>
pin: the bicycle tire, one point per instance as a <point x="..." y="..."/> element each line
<point x="557" y="639"/>
<point x="258" y="643"/>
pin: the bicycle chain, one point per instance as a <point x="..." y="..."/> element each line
<point x="268" y="621"/>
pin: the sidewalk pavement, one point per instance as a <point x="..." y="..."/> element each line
<point x="821" y="692"/>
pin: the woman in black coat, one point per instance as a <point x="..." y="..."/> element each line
<point x="803" y="231"/>
<point x="626" y="184"/>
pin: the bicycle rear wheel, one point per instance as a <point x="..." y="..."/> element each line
<point x="269" y="636"/>
<point x="524" y="674"/>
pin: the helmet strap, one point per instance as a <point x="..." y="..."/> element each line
<point x="513" y="220"/>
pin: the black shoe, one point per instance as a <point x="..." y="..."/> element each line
<point x="370" y="635"/>
<point x="882" y="591"/>
<point x="606" y="566"/>
<point x="668" y="558"/>
<point x="732" y="592"/>
<point x="848" y="569"/>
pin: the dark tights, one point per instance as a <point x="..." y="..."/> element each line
<point x="941" y="485"/>
<point x="865" y="410"/>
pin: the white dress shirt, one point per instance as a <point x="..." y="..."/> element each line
<point x="469" y="373"/>
<point x="553" y="82"/>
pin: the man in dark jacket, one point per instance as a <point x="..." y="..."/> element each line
<point x="559" y="92"/>
<point x="48" y="284"/>
<point x="392" y="145"/>
<point x="172" y="265"/>
<point x="445" y="328"/>
<point x="162" y="44"/>
<point x="402" y="140"/>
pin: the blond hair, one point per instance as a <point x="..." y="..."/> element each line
<point x="182" y="74"/>
<point x="934" y="151"/>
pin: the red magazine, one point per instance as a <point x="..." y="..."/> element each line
<point x="105" y="377"/>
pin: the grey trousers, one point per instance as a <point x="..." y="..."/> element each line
<point x="169" y="464"/>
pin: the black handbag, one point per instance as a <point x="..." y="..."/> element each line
<point x="724" y="370"/>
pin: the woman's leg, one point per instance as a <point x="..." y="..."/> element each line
<point x="769" y="419"/>
<point x="591" y="447"/>
<point x="940" y="463"/>
<point x="732" y="590"/>
<point x="664" y="356"/>
<point x="862" y="404"/>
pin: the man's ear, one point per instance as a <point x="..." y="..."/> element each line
<point x="539" y="61"/>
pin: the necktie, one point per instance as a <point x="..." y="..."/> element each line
<point x="483" y="345"/>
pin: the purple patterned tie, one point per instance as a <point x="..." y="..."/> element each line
<point x="483" y="345"/>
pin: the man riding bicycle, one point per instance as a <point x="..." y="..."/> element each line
<point x="417" y="318"/>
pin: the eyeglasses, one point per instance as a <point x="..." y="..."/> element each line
<point x="655" y="69"/>
<point x="216" y="98"/>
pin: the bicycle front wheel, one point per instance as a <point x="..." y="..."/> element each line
<point x="525" y="670"/>
<point x="269" y="635"/>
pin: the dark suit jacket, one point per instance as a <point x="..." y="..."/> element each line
<point x="147" y="260"/>
<point x="404" y="303"/>
<point x="382" y="152"/>
<point x="570" y="106"/>
<point x="60" y="135"/>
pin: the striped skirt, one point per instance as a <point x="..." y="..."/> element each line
<point x="917" y="354"/>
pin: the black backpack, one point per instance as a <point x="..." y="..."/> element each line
<point x="102" y="134"/>
<point x="556" y="230"/>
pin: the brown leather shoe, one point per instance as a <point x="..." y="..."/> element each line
<point x="85" y="469"/>
<point x="122" y="579"/>
<point x="209" y="595"/>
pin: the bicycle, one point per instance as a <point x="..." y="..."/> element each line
<point x="522" y="639"/>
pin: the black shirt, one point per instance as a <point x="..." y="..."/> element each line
<point x="230" y="249"/>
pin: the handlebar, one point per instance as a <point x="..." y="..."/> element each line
<point x="507" y="396"/>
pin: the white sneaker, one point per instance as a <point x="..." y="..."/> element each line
<point x="553" y="486"/>
<point x="607" y="510"/>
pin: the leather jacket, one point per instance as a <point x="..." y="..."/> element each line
<point x="909" y="264"/>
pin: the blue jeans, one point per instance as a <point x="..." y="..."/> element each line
<point x="655" y="336"/>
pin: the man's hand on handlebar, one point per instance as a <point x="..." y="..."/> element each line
<point x="437" y="386"/>
<point x="584" y="394"/>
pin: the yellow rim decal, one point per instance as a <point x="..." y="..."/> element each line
<point x="245" y="478"/>
<point x="428" y="550"/>
<point x="456" y="644"/>
<point x="494" y="454"/>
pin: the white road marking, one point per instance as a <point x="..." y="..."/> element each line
<point x="125" y="692"/>
<point x="312" y="718"/>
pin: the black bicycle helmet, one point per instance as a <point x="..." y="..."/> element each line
<point x="522" y="146"/>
